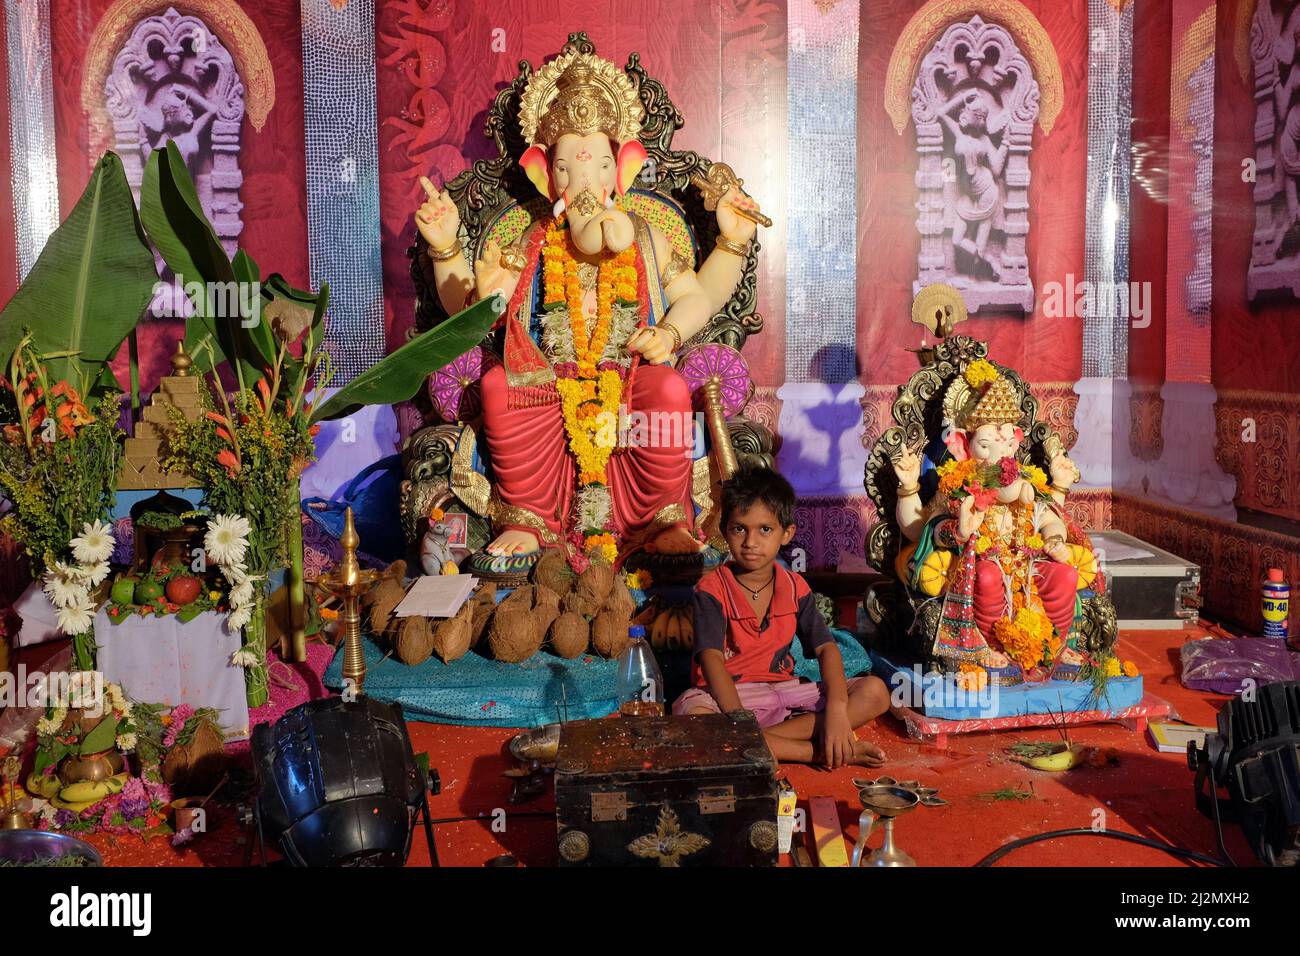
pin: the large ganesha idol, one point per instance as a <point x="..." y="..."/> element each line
<point x="996" y="576"/>
<point x="580" y="432"/>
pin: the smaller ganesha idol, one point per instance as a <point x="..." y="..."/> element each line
<point x="993" y="544"/>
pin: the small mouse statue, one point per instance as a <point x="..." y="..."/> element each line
<point x="435" y="552"/>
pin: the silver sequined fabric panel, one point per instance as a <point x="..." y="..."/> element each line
<point x="1110" y="114"/>
<point x="31" y="128"/>
<point x="821" y="250"/>
<point x="338" y="63"/>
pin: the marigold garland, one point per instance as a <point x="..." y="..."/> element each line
<point x="590" y="401"/>
<point x="616" y="279"/>
<point x="980" y="372"/>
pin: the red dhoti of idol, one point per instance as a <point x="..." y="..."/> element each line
<point x="1056" y="585"/>
<point x="649" y="484"/>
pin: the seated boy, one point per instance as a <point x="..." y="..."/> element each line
<point x="747" y="613"/>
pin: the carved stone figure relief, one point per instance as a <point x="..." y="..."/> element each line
<point x="974" y="103"/>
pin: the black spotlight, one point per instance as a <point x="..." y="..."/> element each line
<point x="1256" y="756"/>
<point x="338" y="784"/>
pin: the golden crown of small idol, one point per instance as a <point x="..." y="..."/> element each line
<point x="998" y="405"/>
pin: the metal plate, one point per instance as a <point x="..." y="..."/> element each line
<point x="717" y="799"/>
<point x="608" y="806"/>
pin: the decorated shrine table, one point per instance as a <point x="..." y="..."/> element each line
<point x="161" y="660"/>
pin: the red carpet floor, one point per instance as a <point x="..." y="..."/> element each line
<point x="1147" y="793"/>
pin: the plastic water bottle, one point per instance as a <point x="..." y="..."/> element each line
<point x="640" y="682"/>
<point x="1275" y="604"/>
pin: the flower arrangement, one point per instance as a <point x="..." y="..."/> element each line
<point x="62" y="734"/>
<point x="961" y="479"/>
<point x="1029" y="638"/>
<point x="68" y="584"/>
<point x="160" y="730"/>
<point x="139" y="808"/>
<point x="58" y="458"/>
<point x="248" y="457"/>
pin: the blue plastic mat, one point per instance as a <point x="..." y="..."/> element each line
<point x="478" y="691"/>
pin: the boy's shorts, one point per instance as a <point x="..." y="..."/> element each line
<point x="772" y="702"/>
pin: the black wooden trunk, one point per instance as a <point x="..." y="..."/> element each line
<point x="666" y="791"/>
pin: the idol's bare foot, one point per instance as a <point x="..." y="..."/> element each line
<point x="676" y="540"/>
<point x="513" y="541"/>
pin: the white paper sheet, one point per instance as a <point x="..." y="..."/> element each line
<point x="436" y="595"/>
<point x="1108" y="550"/>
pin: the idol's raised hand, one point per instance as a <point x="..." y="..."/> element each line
<point x="437" y="220"/>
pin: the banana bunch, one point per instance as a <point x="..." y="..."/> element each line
<point x="673" y="629"/>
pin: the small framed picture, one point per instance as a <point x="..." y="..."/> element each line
<point x="458" y="525"/>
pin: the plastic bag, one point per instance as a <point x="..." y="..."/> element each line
<point x="1225" y="665"/>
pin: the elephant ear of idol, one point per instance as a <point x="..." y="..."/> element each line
<point x="89" y="287"/>
<point x="399" y="375"/>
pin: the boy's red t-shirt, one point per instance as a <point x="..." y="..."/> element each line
<point x="755" y="650"/>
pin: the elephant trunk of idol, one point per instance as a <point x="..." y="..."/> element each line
<point x="596" y="227"/>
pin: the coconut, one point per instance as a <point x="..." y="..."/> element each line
<point x="595" y="583"/>
<point x="451" y="638"/>
<point x="575" y="603"/>
<point x="414" y="641"/>
<point x="544" y="615"/>
<point x="570" y="635"/>
<point x="196" y="767"/>
<point x="384" y="598"/>
<point x="521" y="598"/>
<point x="620" y="599"/>
<point x="512" y="636"/>
<point x="609" y="634"/>
<point x="552" y="571"/>
<point x="545" y="597"/>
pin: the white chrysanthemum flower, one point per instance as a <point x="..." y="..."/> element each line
<point x="77" y="618"/>
<point x="126" y="742"/>
<point x="227" y="539"/>
<point x="96" y="573"/>
<point x="94" y="544"/>
<point x="236" y="574"/>
<point x="244" y="658"/>
<point x="242" y="594"/>
<point x="61" y="591"/>
<point x="238" y="618"/>
<point x="116" y="699"/>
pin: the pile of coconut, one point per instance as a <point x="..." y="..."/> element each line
<point x="564" y="611"/>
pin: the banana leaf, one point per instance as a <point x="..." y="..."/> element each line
<point x="174" y="219"/>
<point x="90" y="285"/>
<point x="398" y="376"/>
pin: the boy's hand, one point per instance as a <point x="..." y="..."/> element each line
<point x="837" y="736"/>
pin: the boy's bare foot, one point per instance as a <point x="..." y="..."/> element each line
<point x="866" y="755"/>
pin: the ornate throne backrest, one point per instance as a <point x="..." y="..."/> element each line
<point x="918" y="417"/>
<point x="496" y="200"/>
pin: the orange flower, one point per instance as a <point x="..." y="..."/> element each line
<point x="265" y="391"/>
<point x="1130" y="669"/>
<point x="218" y="418"/>
<point x="226" y="459"/>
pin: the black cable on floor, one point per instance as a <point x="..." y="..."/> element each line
<point x="550" y="815"/>
<point x="1014" y="845"/>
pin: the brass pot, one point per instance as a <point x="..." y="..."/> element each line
<point x="91" y="767"/>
